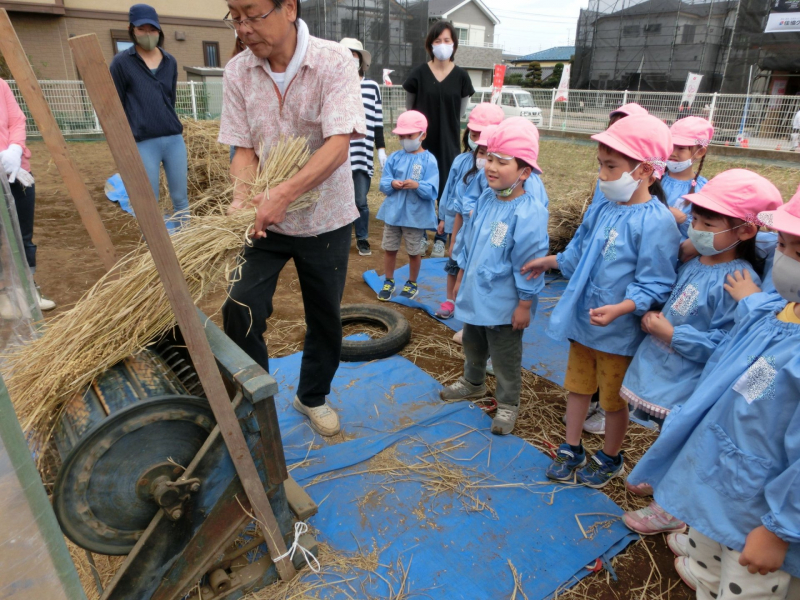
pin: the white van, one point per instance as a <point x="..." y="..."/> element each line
<point x="515" y="102"/>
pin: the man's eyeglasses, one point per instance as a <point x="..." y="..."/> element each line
<point x="249" y="21"/>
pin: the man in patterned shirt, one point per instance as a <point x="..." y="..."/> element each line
<point x="288" y="83"/>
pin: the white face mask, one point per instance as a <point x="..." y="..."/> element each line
<point x="412" y="145"/>
<point x="678" y="166"/>
<point x="786" y="276"/>
<point x="472" y="145"/>
<point x="622" y="189"/>
<point x="480" y="163"/>
<point x="443" y="51"/>
<point x="357" y="62"/>
<point x="703" y="241"/>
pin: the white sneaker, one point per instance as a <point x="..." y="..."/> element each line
<point x="324" y="419"/>
<point x="438" y="249"/>
<point x="593" y="408"/>
<point x="457" y="337"/>
<point x="489" y="367"/>
<point x="596" y="423"/>
<point x="423" y="247"/>
<point x="44" y="303"/>
<point x="8" y="310"/>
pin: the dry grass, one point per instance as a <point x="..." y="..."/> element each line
<point x="128" y="308"/>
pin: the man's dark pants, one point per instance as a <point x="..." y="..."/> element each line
<point x="321" y="263"/>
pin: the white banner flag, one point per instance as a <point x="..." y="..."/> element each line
<point x="386" y="80"/>
<point x="563" y="86"/>
<point x="690" y="90"/>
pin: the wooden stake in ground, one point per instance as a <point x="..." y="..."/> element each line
<point x="17" y="61"/>
<point x="93" y="69"/>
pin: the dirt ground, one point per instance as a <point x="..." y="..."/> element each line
<point x="68" y="266"/>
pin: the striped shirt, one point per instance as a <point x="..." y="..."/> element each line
<point x="361" y="151"/>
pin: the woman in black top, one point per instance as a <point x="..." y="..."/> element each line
<point x="440" y="90"/>
<point x="146" y="77"/>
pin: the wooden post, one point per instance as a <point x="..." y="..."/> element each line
<point x="92" y="66"/>
<point x="17" y="61"/>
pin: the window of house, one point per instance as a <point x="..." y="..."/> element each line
<point x="211" y="54"/>
<point x="350" y="28"/>
<point x="687" y="35"/>
<point x="507" y="99"/>
<point x="462" y="33"/>
<point x="630" y="30"/>
<point x="121" y="40"/>
<point x="652" y="28"/>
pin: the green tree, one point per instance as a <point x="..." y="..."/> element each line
<point x="534" y="75"/>
<point x="514" y="79"/>
<point x="555" y="76"/>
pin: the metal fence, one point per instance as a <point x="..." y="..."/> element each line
<point x="754" y="121"/>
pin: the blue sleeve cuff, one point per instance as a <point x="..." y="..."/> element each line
<point x="642" y="302"/>
<point x="771" y="523"/>
<point x="560" y="258"/>
<point x="525" y="295"/>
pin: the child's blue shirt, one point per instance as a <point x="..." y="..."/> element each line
<point x="619" y="252"/>
<point x="410" y="208"/>
<point x="500" y="238"/>
<point x="675" y="189"/>
<point x="701" y="312"/>
<point x="728" y="460"/>
<point x="454" y="188"/>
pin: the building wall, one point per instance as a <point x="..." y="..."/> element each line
<point x="472" y="57"/>
<point x="473" y="15"/>
<point x="197" y="9"/>
<point x="45" y="39"/>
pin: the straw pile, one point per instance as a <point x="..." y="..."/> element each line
<point x="128" y="308"/>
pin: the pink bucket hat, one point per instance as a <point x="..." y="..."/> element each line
<point x="644" y="138"/>
<point x="628" y="110"/>
<point x="740" y="194"/>
<point x="410" y="121"/>
<point x="786" y="218"/>
<point x="486" y="134"/>
<point x="692" y="131"/>
<point x="516" y="137"/>
<point x="485" y="114"/>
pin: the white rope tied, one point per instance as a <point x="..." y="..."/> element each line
<point x="299" y="529"/>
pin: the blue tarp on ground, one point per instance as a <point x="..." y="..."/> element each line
<point x="454" y="550"/>
<point x="541" y="354"/>
<point x="116" y="192"/>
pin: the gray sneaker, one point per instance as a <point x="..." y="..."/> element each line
<point x="423" y="247"/>
<point x="596" y="423"/>
<point x="462" y="390"/>
<point x="593" y="408"/>
<point x="438" y="249"/>
<point x="504" y="419"/>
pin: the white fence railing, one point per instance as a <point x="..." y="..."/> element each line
<point x="755" y="121"/>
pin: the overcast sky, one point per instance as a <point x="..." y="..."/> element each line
<point x="535" y="25"/>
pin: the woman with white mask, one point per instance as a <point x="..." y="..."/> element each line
<point x="440" y="90"/>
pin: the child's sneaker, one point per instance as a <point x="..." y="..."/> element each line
<point x="504" y="419"/>
<point x="652" y="520"/>
<point x="593" y="408"/>
<point x="596" y="423"/>
<point x="599" y="470"/>
<point x="410" y="290"/>
<point x="457" y="337"/>
<point x="682" y="567"/>
<point x="386" y="291"/>
<point x="438" y="249"/>
<point x="489" y="367"/>
<point x="565" y="463"/>
<point x="446" y="310"/>
<point x="678" y="543"/>
<point x="462" y="390"/>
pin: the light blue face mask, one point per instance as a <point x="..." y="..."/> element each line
<point x="472" y="145"/>
<point x="703" y="241"/>
<point x="412" y="145"/>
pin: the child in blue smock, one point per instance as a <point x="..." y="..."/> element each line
<point x="495" y="301"/>
<point x="620" y="264"/>
<point x="410" y="181"/>
<point x="463" y="171"/>
<point x="691" y="137"/>
<point x="728" y="460"/>
<point x="699" y="314"/>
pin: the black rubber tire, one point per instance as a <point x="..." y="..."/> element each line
<point x="398" y="332"/>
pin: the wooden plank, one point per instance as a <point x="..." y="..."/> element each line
<point x="300" y="502"/>
<point x="92" y="66"/>
<point x="17" y="61"/>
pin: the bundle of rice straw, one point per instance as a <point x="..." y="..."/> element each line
<point x="128" y="308"/>
<point x="566" y="215"/>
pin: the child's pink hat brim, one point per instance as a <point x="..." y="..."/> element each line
<point x="487" y="132"/>
<point x="740" y="194"/>
<point x="409" y="122"/>
<point x="643" y="138"/>
<point x="692" y="131"/>
<point x="785" y="218"/>
<point x="517" y="137"/>
<point x="484" y="115"/>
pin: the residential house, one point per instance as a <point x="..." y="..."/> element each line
<point x="474" y="24"/>
<point x="548" y="59"/>
<point x="193" y="31"/>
